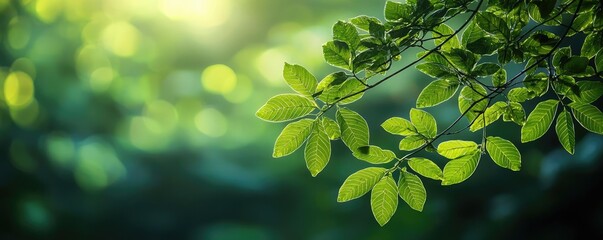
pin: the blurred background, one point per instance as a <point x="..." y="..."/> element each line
<point x="135" y="118"/>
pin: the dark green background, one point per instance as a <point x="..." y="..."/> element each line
<point x="142" y="148"/>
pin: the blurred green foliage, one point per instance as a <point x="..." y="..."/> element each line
<point x="122" y="119"/>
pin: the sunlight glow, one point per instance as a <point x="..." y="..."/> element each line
<point x="205" y="13"/>
<point x="219" y="79"/>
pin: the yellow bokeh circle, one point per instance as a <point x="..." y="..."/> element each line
<point x="18" y="89"/>
<point x="219" y="79"/>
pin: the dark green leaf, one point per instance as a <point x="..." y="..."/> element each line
<point x="499" y="78"/>
<point x="462" y="59"/>
<point x="493" y="24"/>
<point x="537" y="83"/>
<point x="363" y="22"/>
<point x="395" y="11"/>
<point x="592" y="44"/>
<point x="486" y="69"/>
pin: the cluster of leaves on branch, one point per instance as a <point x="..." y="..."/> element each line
<point x="364" y="48"/>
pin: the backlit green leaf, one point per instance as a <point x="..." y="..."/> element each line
<point x="486" y="69"/>
<point x="456" y="148"/>
<point x="565" y="131"/>
<point x="493" y="24"/>
<point x="437" y="92"/>
<point x="491" y="114"/>
<point x="354" y="129"/>
<point x="537" y="83"/>
<point x="346" y="32"/>
<point x="299" y="79"/>
<point x="441" y="33"/>
<point x="399" y="126"/>
<point x="589" y="91"/>
<point x="292" y="137"/>
<point x="412" y="142"/>
<point x="539" y="121"/>
<point x="520" y="94"/>
<point x="374" y="155"/>
<point x="503" y="153"/>
<point x="462" y="59"/>
<point x="337" y="53"/>
<point x="363" y="21"/>
<point x="384" y="199"/>
<point x="318" y="150"/>
<point x="332" y="128"/>
<point x="460" y="169"/>
<point x="473" y="97"/>
<point x="499" y="78"/>
<point x="589" y="116"/>
<point x="395" y="11"/>
<point x="592" y="44"/>
<point x="423" y="122"/>
<point x="515" y="113"/>
<point x="426" y="168"/>
<point x="359" y="183"/>
<point x="411" y="190"/>
<point x="285" y="107"/>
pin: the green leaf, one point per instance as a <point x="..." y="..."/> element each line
<point x="462" y="59"/>
<point x="503" y="153"/>
<point x="441" y="33"/>
<point x="338" y="92"/>
<point x="395" y="11"/>
<point x="363" y="22"/>
<point x="493" y="24"/>
<point x="359" y="183"/>
<point x="540" y="43"/>
<point x="337" y="53"/>
<point x="592" y="44"/>
<point x="539" y="121"/>
<point x="332" y="128"/>
<point x="589" y="91"/>
<point x="437" y="92"/>
<point x="491" y="114"/>
<point x="374" y="154"/>
<point x="515" y="113"/>
<point x="599" y="61"/>
<point x="412" y="142"/>
<point x="299" y="79"/>
<point x="424" y="122"/>
<point x="426" y="168"/>
<point x="377" y="30"/>
<point x="520" y="94"/>
<point x="346" y="32"/>
<point x="411" y="190"/>
<point x="561" y="55"/>
<point x="537" y="83"/>
<point x="472" y="33"/>
<point x="435" y="70"/>
<point x="354" y="129"/>
<point x="384" y="200"/>
<point x="318" y="150"/>
<point x="399" y="126"/>
<point x="475" y="96"/>
<point x="486" y="69"/>
<point x="456" y="148"/>
<point x="460" y="169"/>
<point x="499" y="78"/>
<point x="574" y="65"/>
<point x="285" y="107"/>
<point x="292" y="137"/>
<point x="589" y="116"/>
<point x="565" y="131"/>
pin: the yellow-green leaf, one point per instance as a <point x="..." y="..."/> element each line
<point x="299" y="79"/>
<point x="426" y="168"/>
<point x="412" y="142"/>
<point x="437" y="92"/>
<point x="423" y="122"/>
<point x="399" y="126"/>
<point x="285" y="107"/>
<point x="318" y="150"/>
<point x="503" y="153"/>
<point x="565" y="131"/>
<point x="411" y="190"/>
<point x="374" y="155"/>
<point x="292" y="137"/>
<point x="460" y="169"/>
<point x="332" y="128"/>
<point x="359" y="183"/>
<point x="354" y="129"/>
<point x="539" y="121"/>
<point x="456" y="148"/>
<point x="589" y="116"/>
<point x="384" y="199"/>
<point x="491" y="114"/>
